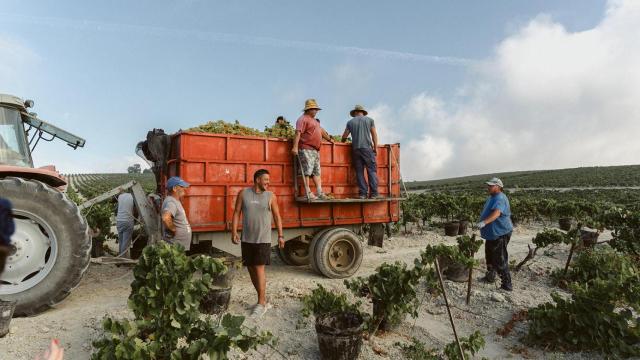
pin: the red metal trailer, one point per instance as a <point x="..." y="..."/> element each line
<point x="322" y="233"/>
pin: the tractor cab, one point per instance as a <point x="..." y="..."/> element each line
<point x="21" y="130"/>
<point x="14" y="147"/>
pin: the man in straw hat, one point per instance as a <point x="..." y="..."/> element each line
<point x="496" y="227"/>
<point x="306" y="145"/>
<point x="364" y="150"/>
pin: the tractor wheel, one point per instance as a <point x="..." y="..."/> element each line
<point x="295" y="252"/>
<point x="338" y="254"/>
<point x="50" y="250"/>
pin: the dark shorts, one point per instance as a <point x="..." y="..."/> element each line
<point x="255" y="254"/>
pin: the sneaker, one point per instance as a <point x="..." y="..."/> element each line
<point x="322" y="196"/>
<point x="312" y="196"/>
<point x="363" y="197"/>
<point x="259" y="310"/>
<point x="377" y="197"/>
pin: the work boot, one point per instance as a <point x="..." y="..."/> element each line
<point x="489" y="277"/>
<point x="506" y="281"/>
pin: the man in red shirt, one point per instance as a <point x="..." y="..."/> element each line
<point x="306" y="145"/>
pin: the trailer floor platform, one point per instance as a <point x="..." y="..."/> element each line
<point x="304" y="199"/>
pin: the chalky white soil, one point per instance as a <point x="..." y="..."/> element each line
<point x="104" y="291"/>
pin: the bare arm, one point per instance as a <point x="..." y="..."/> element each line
<point x="237" y="211"/>
<point x="326" y="136"/>
<point x="374" y="137"/>
<point x="345" y="134"/>
<point x="275" y="210"/>
<point x="296" y="140"/>
<point x="167" y="220"/>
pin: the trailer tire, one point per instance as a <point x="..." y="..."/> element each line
<point x="293" y="253"/>
<point x="338" y="254"/>
<point x="312" y="247"/>
<point x="50" y="227"/>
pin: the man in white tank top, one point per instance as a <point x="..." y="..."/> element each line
<point x="257" y="206"/>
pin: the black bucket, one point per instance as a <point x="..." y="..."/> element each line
<point x="216" y="301"/>
<point x="6" y="313"/>
<point x="226" y="280"/>
<point x="386" y="324"/>
<point x="452" y="228"/>
<point x="452" y="270"/>
<point x="462" y="229"/>
<point x="589" y="238"/>
<point x="564" y="224"/>
<point x="339" y="335"/>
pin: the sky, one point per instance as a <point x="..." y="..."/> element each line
<point x="466" y="87"/>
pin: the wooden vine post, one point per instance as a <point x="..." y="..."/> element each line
<point x="446" y="302"/>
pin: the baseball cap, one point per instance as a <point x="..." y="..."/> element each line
<point x="495" y="181"/>
<point x="176" y="181"/>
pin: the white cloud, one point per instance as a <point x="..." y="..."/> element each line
<point x="547" y="98"/>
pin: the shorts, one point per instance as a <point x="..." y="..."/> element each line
<point x="255" y="254"/>
<point x="310" y="160"/>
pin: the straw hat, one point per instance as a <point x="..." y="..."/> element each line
<point x="358" y="108"/>
<point x="311" y="104"/>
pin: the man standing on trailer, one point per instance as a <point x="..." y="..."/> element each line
<point x="176" y="228"/>
<point x="364" y="150"/>
<point x="496" y="227"/>
<point x="306" y="145"/>
<point x="257" y="206"/>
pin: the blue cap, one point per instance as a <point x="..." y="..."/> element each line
<point x="176" y="181"/>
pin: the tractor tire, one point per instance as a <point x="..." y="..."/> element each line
<point x="51" y="247"/>
<point x="338" y="254"/>
<point x="312" y="247"/>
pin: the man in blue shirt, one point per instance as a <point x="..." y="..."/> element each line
<point x="496" y="227"/>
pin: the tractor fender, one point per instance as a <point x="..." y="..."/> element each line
<point x="46" y="174"/>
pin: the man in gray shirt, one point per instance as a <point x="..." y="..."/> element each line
<point x="125" y="220"/>
<point x="257" y="206"/>
<point x="364" y="150"/>
<point x="176" y="228"/>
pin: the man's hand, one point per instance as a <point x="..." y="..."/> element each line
<point x="375" y="150"/>
<point x="235" y="238"/>
<point x="480" y="225"/>
<point x="294" y="151"/>
<point x="281" y="242"/>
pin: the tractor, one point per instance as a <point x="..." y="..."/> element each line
<point x="50" y="249"/>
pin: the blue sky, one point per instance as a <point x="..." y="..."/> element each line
<point x="109" y="71"/>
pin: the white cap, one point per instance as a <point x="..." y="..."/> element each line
<point x="495" y="181"/>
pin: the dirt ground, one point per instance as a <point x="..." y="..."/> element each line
<point x="104" y="290"/>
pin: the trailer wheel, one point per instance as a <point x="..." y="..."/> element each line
<point x="338" y="254"/>
<point x="50" y="248"/>
<point x="295" y="252"/>
<point x="312" y="247"/>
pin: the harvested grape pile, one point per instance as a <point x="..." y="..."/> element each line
<point x="223" y="127"/>
<point x="283" y="131"/>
